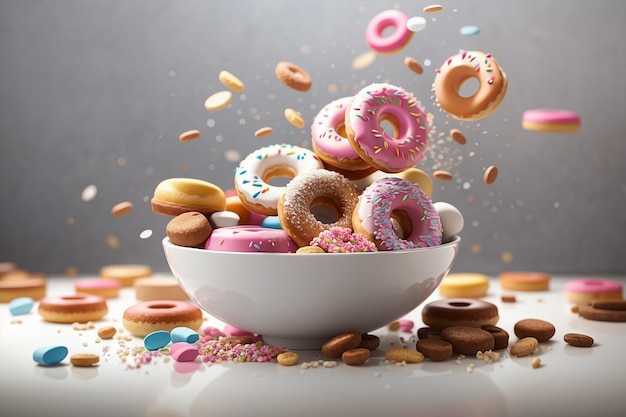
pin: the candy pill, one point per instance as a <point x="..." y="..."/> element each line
<point x="433" y="8"/>
<point x="458" y="136"/>
<point x="122" y="208"/>
<point x="218" y="101"/>
<point x="262" y="132"/>
<point x="469" y="30"/>
<point x="491" y="174"/>
<point x="84" y="359"/>
<point x="107" y="332"/>
<point x="413" y="65"/>
<point x="272" y="222"/>
<point x="156" y="340"/>
<point x="184" y="334"/>
<point x="442" y="175"/>
<point x="21" y="305"/>
<point x="50" y="355"/>
<point x="416" y="23"/>
<point x="225" y="218"/>
<point x="184" y="352"/>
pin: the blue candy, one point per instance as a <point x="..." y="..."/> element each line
<point x="184" y="334"/>
<point x="21" y="305"/>
<point x="469" y="30"/>
<point x="156" y="340"/>
<point x="271" y="222"/>
<point x="50" y="355"/>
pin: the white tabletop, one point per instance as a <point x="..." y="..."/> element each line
<point x="570" y="382"/>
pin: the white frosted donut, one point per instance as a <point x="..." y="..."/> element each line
<point x="254" y="172"/>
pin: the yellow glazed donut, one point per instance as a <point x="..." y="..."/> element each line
<point x="175" y="196"/>
<point x="456" y="71"/>
<point x="464" y="285"/>
<point x="254" y="173"/>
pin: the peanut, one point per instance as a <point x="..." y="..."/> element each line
<point x="524" y="347"/>
<point x="404" y="355"/>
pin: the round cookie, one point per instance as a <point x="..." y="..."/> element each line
<point x="126" y="274"/>
<point x="468" y="340"/>
<point x="159" y="288"/>
<point x="524" y="281"/>
<point x="11" y="289"/>
<point x="189" y="229"/>
<point x="605" y="310"/>
<point x="539" y="329"/>
<point x="459" y="312"/>
<point x="501" y="336"/>
<point x="464" y="285"/>
<point x="434" y="349"/>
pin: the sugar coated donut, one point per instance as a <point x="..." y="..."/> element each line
<point x="459" y="312"/>
<point x="254" y="172"/>
<point x="524" y="281"/>
<point x="551" y="120"/>
<point x="455" y="71"/>
<point x="11" y="289"/>
<point x="250" y="239"/>
<point x="379" y="103"/>
<point x="464" y="285"/>
<point x="393" y="42"/>
<point x="396" y="199"/>
<point x="328" y="136"/>
<point x="584" y="291"/>
<point x="106" y="288"/>
<point x="174" y="196"/>
<point x="73" y="308"/>
<point x="146" y="317"/>
<point x="159" y="288"/>
<point x="326" y="192"/>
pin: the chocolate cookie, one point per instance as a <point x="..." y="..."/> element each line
<point x="500" y="336"/>
<point x="434" y="349"/>
<point x="468" y="340"/>
<point x="613" y="311"/>
<point x="189" y="229"/>
<point x="539" y="329"/>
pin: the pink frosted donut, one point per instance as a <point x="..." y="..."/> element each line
<point x="328" y="136"/>
<point x="395" y="199"/>
<point x="378" y="103"/>
<point x="550" y="120"/>
<point x="249" y="238"/>
<point x="107" y="288"/>
<point x="583" y="291"/>
<point x="393" y="42"/>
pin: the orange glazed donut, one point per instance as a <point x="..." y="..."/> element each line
<point x="457" y="70"/>
<point x="73" y="308"/>
<point x="319" y="188"/>
<point x="149" y="316"/>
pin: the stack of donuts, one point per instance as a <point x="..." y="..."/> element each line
<point x="356" y="190"/>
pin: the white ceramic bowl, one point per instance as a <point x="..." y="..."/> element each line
<point x="299" y="301"/>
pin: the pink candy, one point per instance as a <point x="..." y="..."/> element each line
<point x="339" y="240"/>
<point x="183" y="352"/>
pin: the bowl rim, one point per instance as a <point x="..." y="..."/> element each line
<point x="454" y="241"/>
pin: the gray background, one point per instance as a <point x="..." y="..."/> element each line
<point x="97" y="92"/>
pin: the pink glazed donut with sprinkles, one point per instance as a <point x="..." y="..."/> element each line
<point x="395" y="200"/>
<point x="395" y="41"/>
<point x="328" y="137"/>
<point x="250" y="238"/>
<point x="382" y="102"/>
<point x="254" y="172"/>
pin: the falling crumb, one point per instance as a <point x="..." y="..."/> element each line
<point x="89" y="193"/>
<point x="364" y="60"/>
<point x="377" y="374"/>
<point x="506" y="257"/>
<point x="536" y="363"/>
<point x="113" y="241"/>
<point x="508" y="298"/>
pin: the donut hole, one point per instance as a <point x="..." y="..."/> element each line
<point x="341" y="130"/>
<point x="73" y="297"/>
<point x="459" y="304"/>
<point x="467" y="87"/>
<point x="325" y="210"/>
<point x="387" y="30"/>
<point x="279" y="176"/>
<point x="389" y="124"/>
<point x="402" y="224"/>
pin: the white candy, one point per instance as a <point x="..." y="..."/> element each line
<point x="451" y="219"/>
<point x="224" y="218"/>
<point x="416" y="24"/>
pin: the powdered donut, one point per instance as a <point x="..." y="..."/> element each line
<point x="253" y="174"/>
<point x="328" y="137"/>
<point x="455" y="71"/>
<point x="378" y="103"/>
<point x="149" y="316"/>
<point x="459" y="312"/>
<point x="390" y="199"/>
<point x="316" y="190"/>
<point x="73" y="308"/>
<point x="250" y="239"/>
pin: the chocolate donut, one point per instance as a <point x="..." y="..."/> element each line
<point x="459" y="312"/>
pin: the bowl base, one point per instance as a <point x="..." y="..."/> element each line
<point x="294" y="343"/>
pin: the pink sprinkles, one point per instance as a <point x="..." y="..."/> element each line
<point x="343" y="240"/>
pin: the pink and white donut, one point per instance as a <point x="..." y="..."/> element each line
<point x="395" y="200"/>
<point x="250" y="238"/>
<point x="379" y="103"/>
<point x="328" y="137"/>
<point x="256" y="170"/>
<point x="583" y="291"/>
<point x="390" y="43"/>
